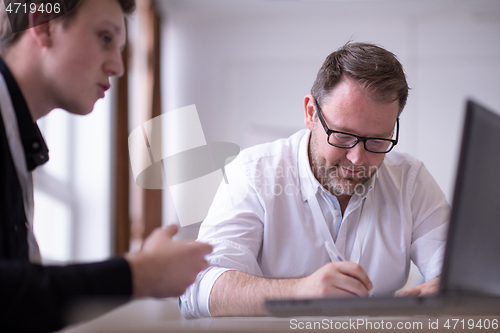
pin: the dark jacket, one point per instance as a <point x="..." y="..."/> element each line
<point x="34" y="298"/>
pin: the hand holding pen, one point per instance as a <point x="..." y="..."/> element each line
<point x="335" y="256"/>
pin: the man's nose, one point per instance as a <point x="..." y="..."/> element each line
<point x="357" y="154"/>
<point x="114" y="65"/>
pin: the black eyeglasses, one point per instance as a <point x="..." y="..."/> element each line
<point x="347" y="140"/>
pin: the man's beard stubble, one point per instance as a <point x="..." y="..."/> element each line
<point x="333" y="178"/>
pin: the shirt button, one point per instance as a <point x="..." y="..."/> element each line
<point x="336" y="212"/>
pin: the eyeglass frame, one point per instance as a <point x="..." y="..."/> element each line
<point x="359" y="138"/>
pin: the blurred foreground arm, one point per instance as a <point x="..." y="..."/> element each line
<point x="164" y="267"/>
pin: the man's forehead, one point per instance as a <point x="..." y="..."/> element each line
<point x="102" y="14"/>
<point x="102" y="11"/>
<point x="112" y="25"/>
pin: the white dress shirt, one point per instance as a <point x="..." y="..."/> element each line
<point x="262" y="221"/>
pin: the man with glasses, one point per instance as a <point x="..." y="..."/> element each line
<point x="333" y="185"/>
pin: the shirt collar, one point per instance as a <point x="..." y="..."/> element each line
<point x="305" y="171"/>
<point x="35" y="149"/>
<point x="307" y="177"/>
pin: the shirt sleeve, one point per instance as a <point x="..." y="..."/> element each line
<point x="430" y="213"/>
<point x="35" y="298"/>
<point x="234" y="228"/>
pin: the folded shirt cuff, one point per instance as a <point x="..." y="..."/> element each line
<point x="435" y="264"/>
<point x="206" y="285"/>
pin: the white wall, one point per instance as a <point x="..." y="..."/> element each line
<point x="248" y="64"/>
<point x="73" y="203"/>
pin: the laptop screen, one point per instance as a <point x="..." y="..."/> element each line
<point x="472" y="256"/>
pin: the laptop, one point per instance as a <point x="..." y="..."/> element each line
<point x="470" y="277"/>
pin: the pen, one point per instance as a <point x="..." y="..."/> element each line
<point x="336" y="257"/>
<point x="332" y="252"/>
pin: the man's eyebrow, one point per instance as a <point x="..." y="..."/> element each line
<point x="350" y="131"/>
<point x="116" y="29"/>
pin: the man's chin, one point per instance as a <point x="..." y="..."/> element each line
<point x="346" y="187"/>
<point x="81" y="110"/>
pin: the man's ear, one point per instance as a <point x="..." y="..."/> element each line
<point x="309" y="111"/>
<point x="41" y="25"/>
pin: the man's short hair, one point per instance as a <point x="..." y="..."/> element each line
<point x="375" y="69"/>
<point x="21" y="22"/>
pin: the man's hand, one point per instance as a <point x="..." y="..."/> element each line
<point x="430" y="287"/>
<point x="336" y="279"/>
<point x="164" y="267"/>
